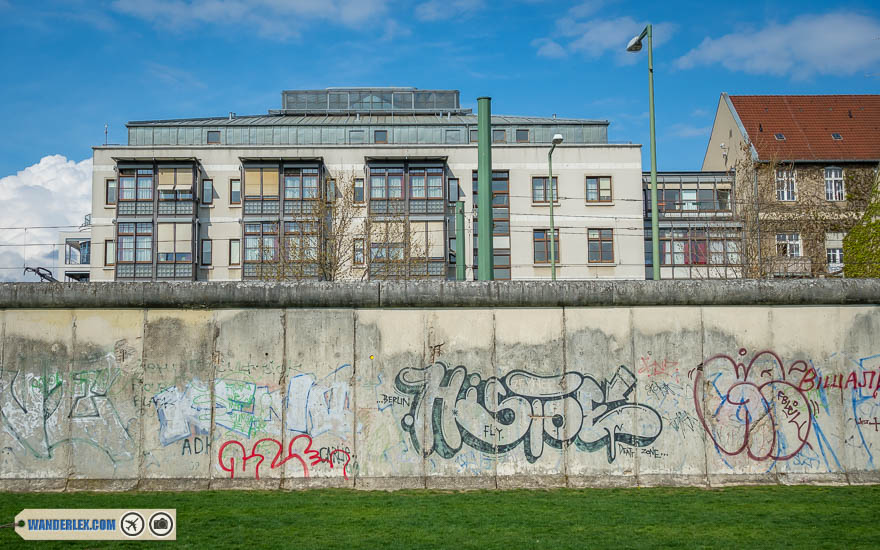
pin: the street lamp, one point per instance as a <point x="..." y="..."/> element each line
<point x="557" y="139"/>
<point x="635" y="45"/>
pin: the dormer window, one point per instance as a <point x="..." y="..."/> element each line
<point x="780" y="137"/>
<point x="836" y="136"/>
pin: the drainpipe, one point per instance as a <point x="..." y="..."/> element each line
<point x="485" y="270"/>
<point x="459" y="241"/>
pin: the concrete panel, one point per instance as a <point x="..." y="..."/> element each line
<point x="598" y="347"/>
<point x="35" y="400"/>
<point x="178" y="381"/>
<point x="460" y="347"/>
<point x="390" y="442"/>
<point x="667" y="346"/>
<point x="860" y="352"/>
<point x="106" y="411"/>
<point x="809" y="422"/>
<point x="734" y="339"/>
<point x="248" y="360"/>
<point x="320" y="398"/>
<point x="530" y="365"/>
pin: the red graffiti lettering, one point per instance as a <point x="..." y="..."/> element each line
<point x="809" y="377"/>
<point x="308" y="456"/>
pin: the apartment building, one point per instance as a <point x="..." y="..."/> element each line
<point x="360" y="183"/>
<point x="805" y="169"/>
<point x="700" y="235"/>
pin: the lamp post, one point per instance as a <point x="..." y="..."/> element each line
<point x="635" y="45"/>
<point x="557" y="139"/>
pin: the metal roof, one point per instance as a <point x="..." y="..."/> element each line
<point x="363" y="120"/>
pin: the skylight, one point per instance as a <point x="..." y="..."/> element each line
<point x="837" y="136"/>
<point x="780" y="137"/>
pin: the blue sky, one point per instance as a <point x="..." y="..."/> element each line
<point x="71" y="66"/>
<point x="77" y="65"/>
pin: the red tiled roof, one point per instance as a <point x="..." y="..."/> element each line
<point x="807" y="122"/>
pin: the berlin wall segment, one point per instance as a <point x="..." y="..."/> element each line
<point x="420" y="397"/>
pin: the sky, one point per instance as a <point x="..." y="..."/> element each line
<point x="70" y="67"/>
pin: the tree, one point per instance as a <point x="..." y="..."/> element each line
<point x="861" y="246"/>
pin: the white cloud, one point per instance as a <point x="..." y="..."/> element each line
<point x="839" y="43"/>
<point x="596" y="37"/>
<point x="548" y="48"/>
<point x="53" y="192"/>
<point x="438" y="10"/>
<point x="278" y="19"/>
<point x="689" y="131"/>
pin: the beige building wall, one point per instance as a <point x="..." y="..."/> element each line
<point x="726" y="137"/>
<point x="221" y="221"/>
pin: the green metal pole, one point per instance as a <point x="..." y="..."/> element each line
<point x="552" y="227"/>
<point x="484" y="189"/>
<point x="459" y="241"/>
<point x="655" y="226"/>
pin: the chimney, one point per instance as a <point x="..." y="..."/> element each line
<point x="231" y="115"/>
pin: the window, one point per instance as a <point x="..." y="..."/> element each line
<point x="834" y="190"/>
<point x="234" y="252"/>
<point x="689" y="199"/>
<point x="836" y="136"/>
<point x="206" y="252"/>
<point x="540" y="191"/>
<point x="261" y="183"/>
<point x="501" y="264"/>
<point x="499" y="136"/>
<point x="453" y="195"/>
<point x="358" y="252"/>
<point x="109" y="252"/>
<point x="355" y="136"/>
<point x="207" y="191"/>
<point x="786" y="187"/>
<point x="522" y="136"/>
<point x="598" y="189"/>
<point x="135" y="242"/>
<point x="453" y="136"/>
<point x="301" y="184"/>
<point x="386" y="183"/>
<point x="359" y="190"/>
<point x="110" y="192"/>
<point x="541" y="245"/>
<point x="780" y="137"/>
<point x="213" y="137"/>
<point x="235" y="191"/>
<point x="834" y="258"/>
<point x="145" y="188"/>
<point x="380" y="136"/>
<point x="76" y="251"/>
<point x="426" y="183"/>
<point x="788" y="245"/>
<point x="474" y="135"/>
<point x="600" y="246"/>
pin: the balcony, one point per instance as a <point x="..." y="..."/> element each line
<point x="786" y="266"/>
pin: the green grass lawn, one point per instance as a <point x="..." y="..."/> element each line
<point x="741" y="517"/>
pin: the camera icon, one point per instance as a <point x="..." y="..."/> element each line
<point x="161" y="524"/>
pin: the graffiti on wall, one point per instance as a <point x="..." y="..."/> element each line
<point x="757" y="409"/>
<point x="36" y="403"/>
<point x="313" y="406"/>
<point x="522" y="409"/>
<point x="299" y="449"/>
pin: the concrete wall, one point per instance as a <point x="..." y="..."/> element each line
<point x="193" y="386"/>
